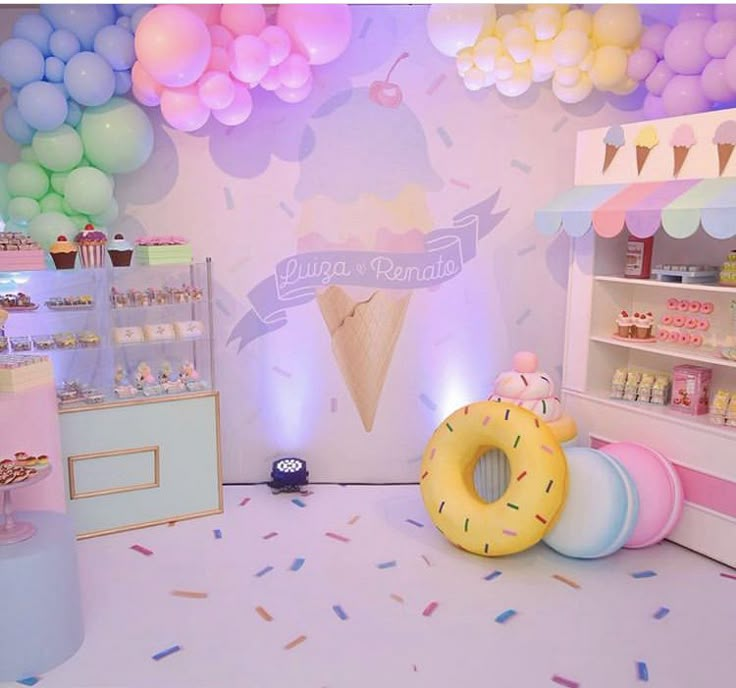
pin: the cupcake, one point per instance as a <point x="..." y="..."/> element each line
<point x="624" y="323"/>
<point x="643" y="325"/>
<point x="92" y="243"/>
<point x="63" y="253"/>
<point x="121" y="251"/>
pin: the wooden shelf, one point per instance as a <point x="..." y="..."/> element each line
<point x="718" y="288"/>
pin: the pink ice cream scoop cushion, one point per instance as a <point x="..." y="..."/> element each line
<point x="660" y="491"/>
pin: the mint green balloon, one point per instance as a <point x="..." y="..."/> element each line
<point x="117" y="136"/>
<point x="79" y="221"/>
<point x="27" y="154"/>
<point x="58" y="181"/>
<point x="4" y="195"/>
<point x="27" y="179"/>
<point x="107" y="217"/>
<point x="46" y="227"/>
<point x="22" y="209"/>
<point x="59" y="150"/>
<point x="66" y="208"/>
<point x="88" y="190"/>
<point x="51" y="202"/>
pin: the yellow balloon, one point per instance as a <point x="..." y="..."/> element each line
<point x="623" y="88"/>
<point x="543" y="61"/>
<point x="464" y="60"/>
<point x="547" y="23"/>
<point x="561" y="9"/>
<point x="474" y="79"/>
<point x="609" y="67"/>
<point x="490" y="79"/>
<point x="524" y="17"/>
<point x="518" y="83"/>
<point x="485" y="52"/>
<point x="519" y="43"/>
<point x="573" y="94"/>
<point x="489" y="25"/>
<point x="587" y="62"/>
<point x="567" y="76"/>
<point x="570" y="47"/>
<point x="580" y="20"/>
<point x="618" y="25"/>
<point x="504" y="24"/>
<point x="504" y="67"/>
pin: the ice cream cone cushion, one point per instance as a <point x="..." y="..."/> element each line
<point x="683" y="139"/>
<point x="613" y="140"/>
<point x="645" y="140"/>
<point x="533" y="390"/>
<point x="725" y="140"/>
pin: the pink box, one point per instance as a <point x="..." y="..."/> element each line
<point x="690" y="389"/>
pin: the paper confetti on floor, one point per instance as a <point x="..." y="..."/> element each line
<point x="189" y="593"/>
<point x="263" y="614"/>
<point x="387" y="564"/>
<point x="426" y="561"/>
<point x="642" y="672"/>
<point x="492" y="575"/>
<point x="296" y="564"/>
<point x="165" y="653"/>
<point x="30" y="681"/>
<point x="503" y="617"/>
<point x="566" y="581"/>
<point x="644" y="574"/>
<point x="430" y="609"/>
<point x="415" y="523"/>
<point x="244" y="501"/>
<point x="217" y="533"/>
<point x="143" y="550"/>
<point x="337" y="536"/>
<point x="298" y="502"/>
<point x="353" y="520"/>
<point x="728" y="575"/>
<point x="340" y="612"/>
<point x="661" y="613"/>
<point x="431" y="405"/>
<point x="270" y="535"/>
<point x="526" y="169"/>
<point x="297" y="641"/>
<point x="568" y="683"/>
<point x="264" y="571"/>
<point x="396" y="597"/>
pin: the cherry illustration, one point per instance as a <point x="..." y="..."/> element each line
<point x="386" y="93"/>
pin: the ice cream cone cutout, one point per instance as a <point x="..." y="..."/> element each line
<point x="364" y="335"/>
<point x="646" y="139"/>
<point x="386" y="93"/>
<point x="725" y="140"/>
<point x="683" y="138"/>
<point x="614" y="139"/>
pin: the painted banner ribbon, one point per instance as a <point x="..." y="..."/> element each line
<point x="297" y="278"/>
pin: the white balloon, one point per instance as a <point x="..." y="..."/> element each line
<point x="519" y="83"/>
<point x="504" y="67"/>
<point x="474" y="79"/>
<point x="570" y="47"/>
<point x="547" y="23"/>
<point x="464" y="60"/>
<point x="580" y="20"/>
<point x="567" y="76"/>
<point x="453" y="27"/>
<point x="519" y="43"/>
<point x="504" y="24"/>
<point x="587" y="62"/>
<point x="485" y="52"/>
<point x="573" y="94"/>
<point x="543" y="61"/>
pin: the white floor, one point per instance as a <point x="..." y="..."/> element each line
<point x="592" y="635"/>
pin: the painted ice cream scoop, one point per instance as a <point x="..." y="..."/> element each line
<point x="645" y="140"/>
<point x="683" y="139"/>
<point x="614" y="139"/>
<point x="725" y="140"/>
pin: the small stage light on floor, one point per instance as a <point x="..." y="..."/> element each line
<point x="288" y="475"/>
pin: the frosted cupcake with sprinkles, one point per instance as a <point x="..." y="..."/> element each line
<point x="92" y="243"/>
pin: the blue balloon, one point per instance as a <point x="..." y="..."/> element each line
<point x="75" y="114"/>
<point x="54" y="69"/>
<point x="123" y="83"/>
<point x="16" y="127"/>
<point x="21" y="62"/>
<point x="125" y="23"/>
<point x="84" y="21"/>
<point x="34" y="28"/>
<point x="116" y="45"/>
<point x="42" y="105"/>
<point x="64" y="44"/>
<point x="89" y="79"/>
<point x="129" y="10"/>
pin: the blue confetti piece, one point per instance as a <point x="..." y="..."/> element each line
<point x="286" y="209"/>
<point x="218" y="534"/>
<point x="559" y="124"/>
<point x="492" y="575"/>
<point x="221" y="307"/>
<point x="229" y="204"/>
<point x="387" y="564"/>
<point x="364" y="29"/>
<point x="298" y="502"/>
<point x="644" y="574"/>
<point x="524" y="251"/>
<point x="296" y="564"/>
<point x="30" y="681"/>
<point x="415" y="523"/>
<point x="442" y="133"/>
<point x="264" y="571"/>
<point x="642" y="672"/>
<point x="523" y="316"/>
<point x="661" y="613"/>
<point x="339" y="611"/>
<point x="165" y="653"/>
<point x="427" y="402"/>
<point x="503" y="617"/>
<point x="526" y="169"/>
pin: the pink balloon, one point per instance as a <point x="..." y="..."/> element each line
<point x="182" y="108"/>
<point x="294" y="71"/>
<point x="146" y="89"/>
<point x="730" y="68"/>
<point x="654" y="38"/>
<point x="725" y="12"/>
<point x="173" y="45"/>
<point x="688" y="12"/>
<point x="721" y="37"/>
<point x="684" y="49"/>
<point x="239" y="110"/>
<point x="220" y="36"/>
<point x="248" y="59"/>
<point x="295" y="95"/>
<point x="243" y="19"/>
<point x="684" y="95"/>
<point x="321" y="32"/>
<point x="219" y="60"/>
<point x="209" y="14"/>
<point x="279" y="44"/>
<point x="641" y="63"/>
<point x="216" y="90"/>
<point x="271" y="81"/>
<point x="659" y="78"/>
<point x="653" y="107"/>
<point x="713" y="81"/>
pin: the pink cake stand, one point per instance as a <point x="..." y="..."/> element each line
<point x="12" y="531"/>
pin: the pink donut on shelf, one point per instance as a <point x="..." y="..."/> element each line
<point x="678" y="321"/>
<point x="683" y="306"/>
<point x="660" y="491"/>
<point x="694" y="306"/>
<point x="672" y="304"/>
<point x="691" y="323"/>
<point x="667" y="319"/>
<point x="663" y="335"/>
<point x="674" y="336"/>
<point x="703" y="325"/>
<point x="706" y="308"/>
<point x="696" y="340"/>
<point x="685" y="337"/>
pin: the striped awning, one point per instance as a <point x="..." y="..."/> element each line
<point x="679" y="207"/>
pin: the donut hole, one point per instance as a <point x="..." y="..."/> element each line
<point x="491" y="475"/>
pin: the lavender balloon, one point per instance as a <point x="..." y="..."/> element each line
<point x="684" y="95"/>
<point x="653" y="107"/>
<point x="659" y="78"/>
<point x="722" y="12"/>
<point x="688" y="12"/>
<point x="654" y="38"/>
<point x="721" y="37"/>
<point x="684" y="49"/>
<point x="641" y="63"/>
<point x="713" y="81"/>
<point x="730" y="68"/>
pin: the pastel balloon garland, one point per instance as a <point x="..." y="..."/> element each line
<point x="197" y="61"/>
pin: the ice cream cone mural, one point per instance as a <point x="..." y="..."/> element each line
<point x="645" y="140"/>
<point x="683" y="139"/>
<point x="614" y="139"/>
<point x="725" y="140"/>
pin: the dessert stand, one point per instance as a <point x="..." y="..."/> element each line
<point x="12" y="531"/>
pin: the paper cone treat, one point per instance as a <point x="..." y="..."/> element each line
<point x="725" y="139"/>
<point x="683" y="139"/>
<point x="614" y="139"/>
<point x="646" y="139"/>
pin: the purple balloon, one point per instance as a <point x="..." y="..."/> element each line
<point x="725" y="12"/>
<point x="641" y="63"/>
<point x="713" y="81"/>
<point x="721" y="37"/>
<point x="730" y="68"/>
<point x="688" y="12"/>
<point x="684" y="96"/>
<point x="684" y="49"/>
<point x="659" y="78"/>
<point x="654" y="38"/>
<point x="653" y="107"/>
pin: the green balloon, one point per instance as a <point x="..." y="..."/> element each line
<point x="59" y="150"/>
<point x="117" y="136"/>
<point x="46" y="227"/>
<point x="27" y="154"/>
<point x="58" y="181"/>
<point x="66" y="208"/>
<point x="107" y="217"/>
<point x="79" y="221"/>
<point x="88" y="190"/>
<point x="27" y="179"/>
<point x="4" y="195"/>
<point x="51" y="202"/>
<point x="22" y="209"/>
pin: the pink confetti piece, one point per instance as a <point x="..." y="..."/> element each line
<point x="336" y="536"/>
<point x="436" y="83"/>
<point x="429" y="609"/>
<point x="244" y="501"/>
<point x="568" y="683"/>
<point x="728" y="575"/>
<point x="270" y="535"/>
<point x="458" y="182"/>
<point x="143" y="550"/>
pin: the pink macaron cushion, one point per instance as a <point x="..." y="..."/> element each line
<point x="666" y="319"/>
<point x="672" y="304"/>
<point x="678" y="321"/>
<point x="660" y="491"/>
<point x="683" y="306"/>
<point x="694" y="306"/>
<point x="703" y="324"/>
<point x="696" y="340"/>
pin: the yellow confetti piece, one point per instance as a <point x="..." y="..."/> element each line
<point x="263" y="614"/>
<point x="566" y="581"/>
<point x="189" y="593"/>
<point x="396" y="597"/>
<point x="353" y="520"/>
<point x="297" y="641"/>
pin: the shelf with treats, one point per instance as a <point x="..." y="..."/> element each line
<point x="153" y="342"/>
<point x="729" y="289"/>
<point x="152" y="306"/>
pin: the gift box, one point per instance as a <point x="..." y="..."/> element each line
<point x="690" y="389"/>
